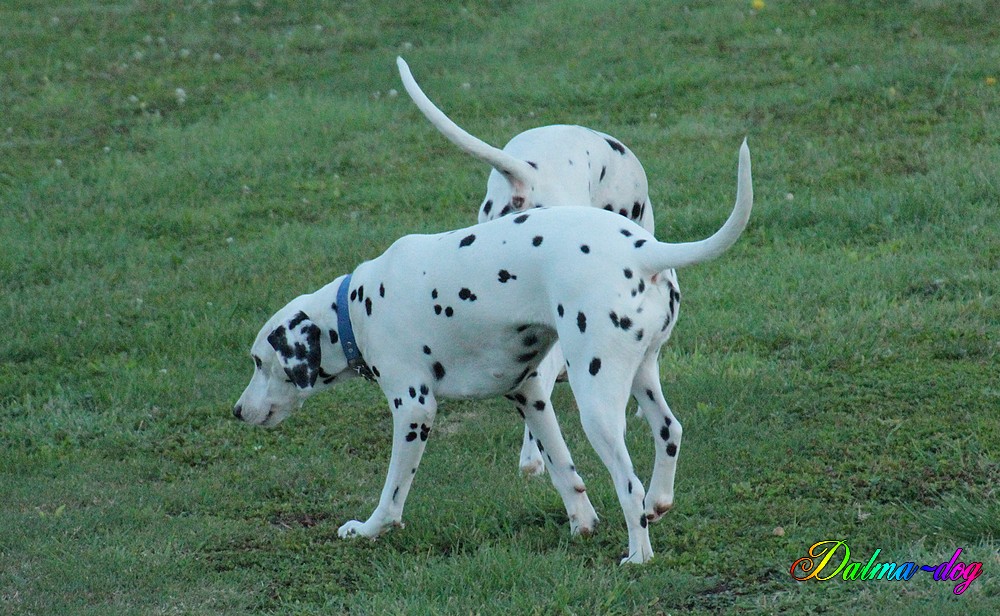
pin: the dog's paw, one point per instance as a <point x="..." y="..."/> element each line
<point x="639" y="557"/>
<point x="353" y="530"/>
<point x="370" y="529"/>
<point x="583" y="526"/>
<point x="532" y="467"/>
<point x="584" y="519"/>
<point x="656" y="510"/>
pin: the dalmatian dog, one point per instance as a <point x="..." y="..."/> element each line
<point x="549" y="166"/>
<point x="471" y="314"/>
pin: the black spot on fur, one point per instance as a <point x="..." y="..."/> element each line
<point x="467" y="295"/>
<point x="585" y="249"/>
<point x="626" y="233"/>
<point x="604" y="170"/>
<point x="665" y="433"/>
<point x="539" y="405"/>
<point x="671" y="449"/>
<point x="412" y="436"/>
<point x="427" y="350"/>
<point x="434" y="293"/>
<point x="398" y="402"/>
<point x="504" y="276"/>
<point x="394" y="493"/>
<point x="487" y="207"/>
<point x="368" y="306"/>
<point x="507" y="209"/>
<point x="518" y="220"/>
<point x="381" y="290"/>
<point x="425" y="430"/>
<point x="639" y="243"/>
<point x="526" y="357"/>
<point x="617" y="147"/>
<point x="609" y="207"/>
<point x="334" y="338"/>
<point x="437" y="309"/>
<point x="629" y="486"/>
<point x="424" y="389"/>
<point x="628" y="273"/>
<point x="623" y="212"/>
<point x="297" y="319"/>
<point x="438" y="370"/>
<point x="649" y="394"/>
<point x="533" y="165"/>
<point x="638" y="335"/>
<point x="595" y="366"/>
<point x="636" y="210"/>
<point x="413" y="392"/>
<point x="642" y="521"/>
<point x="560" y="310"/>
<point x="449" y="311"/>
<point x="467" y="241"/>
<point x="537" y="240"/>
<point x="581" y="321"/>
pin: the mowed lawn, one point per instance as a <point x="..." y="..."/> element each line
<point x="172" y="172"/>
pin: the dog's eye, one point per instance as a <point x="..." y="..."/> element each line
<point x="257" y="362"/>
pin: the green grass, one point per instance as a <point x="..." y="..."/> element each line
<point x="836" y="373"/>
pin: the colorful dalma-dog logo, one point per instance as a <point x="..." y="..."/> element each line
<point x="818" y="565"/>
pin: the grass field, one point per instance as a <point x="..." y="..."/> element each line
<point x="172" y="172"/>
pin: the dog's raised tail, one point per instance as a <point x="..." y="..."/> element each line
<point x="670" y="256"/>
<point x="515" y="170"/>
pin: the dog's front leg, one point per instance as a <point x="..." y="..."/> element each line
<point x="412" y="418"/>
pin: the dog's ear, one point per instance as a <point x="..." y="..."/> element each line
<point x="297" y="343"/>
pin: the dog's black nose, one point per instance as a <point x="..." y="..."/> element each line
<point x="238" y="411"/>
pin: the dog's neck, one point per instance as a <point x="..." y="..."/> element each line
<point x="347" y="340"/>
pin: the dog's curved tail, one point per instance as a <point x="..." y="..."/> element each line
<point x="516" y="171"/>
<point x="661" y="256"/>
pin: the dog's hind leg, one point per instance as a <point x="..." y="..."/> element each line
<point x="412" y="418"/>
<point x="666" y="436"/>
<point x="531" y="462"/>
<point x="533" y="402"/>
<point x="601" y="396"/>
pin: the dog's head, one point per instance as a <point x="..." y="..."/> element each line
<point x="294" y="357"/>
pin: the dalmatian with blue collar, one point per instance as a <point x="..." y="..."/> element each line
<point x="472" y="314"/>
<point x="549" y="166"/>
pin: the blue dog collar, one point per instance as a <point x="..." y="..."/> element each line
<point x="346" y="332"/>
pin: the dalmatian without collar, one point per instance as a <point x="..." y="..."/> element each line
<point x="549" y="166"/>
<point x="471" y="314"/>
